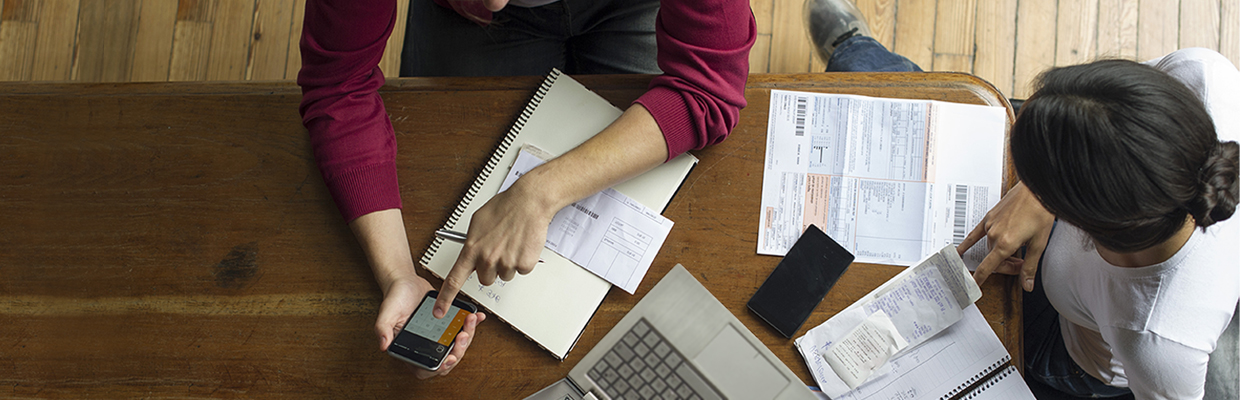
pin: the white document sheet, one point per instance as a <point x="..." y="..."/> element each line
<point x="891" y="180"/>
<point x="942" y="367"/>
<point x="916" y="304"/>
<point x="609" y="234"/>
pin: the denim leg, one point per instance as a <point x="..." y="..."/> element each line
<point x="1046" y="357"/>
<point x="612" y="37"/>
<point x="519" y="41"/>
<point x="576" y="36"/>
<point x="864" y="54"/>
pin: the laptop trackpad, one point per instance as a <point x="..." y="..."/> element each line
<point x="738" y="369"/>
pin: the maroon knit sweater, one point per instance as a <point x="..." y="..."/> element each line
<point x="703" y="50"/>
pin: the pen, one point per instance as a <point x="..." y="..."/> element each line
<point x="456" y="237"/>
<point x="451" y="235"/>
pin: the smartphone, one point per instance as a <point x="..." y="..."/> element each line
<point x="426" y="341"/>
<point x="800" y="281"/>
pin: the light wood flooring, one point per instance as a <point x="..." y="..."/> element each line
<point x="1006" y="42"/>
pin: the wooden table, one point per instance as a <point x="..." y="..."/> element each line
<point x="176" y="240"/>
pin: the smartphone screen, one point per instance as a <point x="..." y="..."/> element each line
<point x="800" y="281"/>
<point x="426" y="340"/>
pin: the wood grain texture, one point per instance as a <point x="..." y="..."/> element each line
<point x="1117" y="29"/>
<point x="18" y="29"/>
<point x="954" y="36"/>
<point x="107" y="30"/>
<point x="1158" y="31"/>
<point x="270" y="40"/>
<point x="881" y="16"/>
<point x="995" y="41"/>
<point x="175" y="40"/>
<point x="57" y="39"/>
<point x="294" y="34"/>
<point x="791" y="49"/>
<point x="1035" y="47"/>
<point x="1229" y="30"/>
<point x="231" y="35"/>
<point x="390" y="63"/>
<point x="191" y="43"/>
<point x="1199" y="24"/>
<point x="760" y="55"/>
<point x="762" y="15"/>
<point x="816" y="64"/>
<point x="914" y="38"/>
<point x="153" y="50"/>
<point x="1076" y="32"/>
<point x="179" y="237"/>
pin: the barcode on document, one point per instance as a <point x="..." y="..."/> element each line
<point x="958" y="222"/>
<point x="802" y="106"/>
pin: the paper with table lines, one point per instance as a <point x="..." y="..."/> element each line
<point x="891" y="180"/>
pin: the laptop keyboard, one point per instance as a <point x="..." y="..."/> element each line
<point x="644" y="366"/>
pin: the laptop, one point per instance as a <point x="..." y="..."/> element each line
<point x="678" y="342"/>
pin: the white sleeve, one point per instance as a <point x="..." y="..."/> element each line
<point x="1215" y="80"/>
<point x="1157" y="367"/>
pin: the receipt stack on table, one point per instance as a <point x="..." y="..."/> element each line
<point x="907" y="310"/>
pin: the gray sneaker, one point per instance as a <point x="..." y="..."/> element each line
<point x="830" y="22"/>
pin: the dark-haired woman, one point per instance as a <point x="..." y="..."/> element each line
<point x="1129" y="178"/>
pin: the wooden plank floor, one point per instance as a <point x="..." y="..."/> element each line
<point x="1007" y="42"/>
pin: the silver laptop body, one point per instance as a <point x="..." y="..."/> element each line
<point x="678" y="342"/>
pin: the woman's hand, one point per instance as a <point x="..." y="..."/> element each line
<point x="1019" y="220"/>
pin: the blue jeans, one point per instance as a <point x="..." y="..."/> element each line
<point x="864" y="54"/>
<point x="576" y="36"/>
<point x="1046" y="357"/>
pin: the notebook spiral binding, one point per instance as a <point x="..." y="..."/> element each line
<point x="991" y="382"/>
<point x="975" y="378"/>
<point x="492" y="163"/>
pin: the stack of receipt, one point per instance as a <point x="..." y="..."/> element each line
<point x="907" y="310"/>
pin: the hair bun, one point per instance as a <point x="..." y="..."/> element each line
<point x="1217" y="199"/>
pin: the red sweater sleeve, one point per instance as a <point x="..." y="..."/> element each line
<point x="341" y="44"/>
<point x="704" y="54"/>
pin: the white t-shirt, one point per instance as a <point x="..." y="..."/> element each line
<point x="1152" y="328"/>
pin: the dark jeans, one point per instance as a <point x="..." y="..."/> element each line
<point x="576" y="36"/>
<point x="864" y="54"/>
<point x="1046" y="358"/>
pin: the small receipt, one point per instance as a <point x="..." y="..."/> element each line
<point x="866" y="348"/>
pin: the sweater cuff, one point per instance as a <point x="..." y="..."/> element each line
<point x="669" y="110"/>
<point x="365" y="190"/>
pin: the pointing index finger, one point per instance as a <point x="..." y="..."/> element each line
<point x="451" y="285"/>
<point x="975" y="235"/>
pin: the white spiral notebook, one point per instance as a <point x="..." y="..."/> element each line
<point x="552" y="304"/>
<point x="965" y="361"/>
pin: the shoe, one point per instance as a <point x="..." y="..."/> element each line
<point x="830" y="22"/>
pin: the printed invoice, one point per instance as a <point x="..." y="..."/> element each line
<point x="891" y="180"/>
<point x="609" y="234"/>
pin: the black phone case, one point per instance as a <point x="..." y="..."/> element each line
<point x="414" y="355"/>
<point x="800" y="281"/>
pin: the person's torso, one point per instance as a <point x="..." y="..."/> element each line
<point x="1187" y="299"/>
